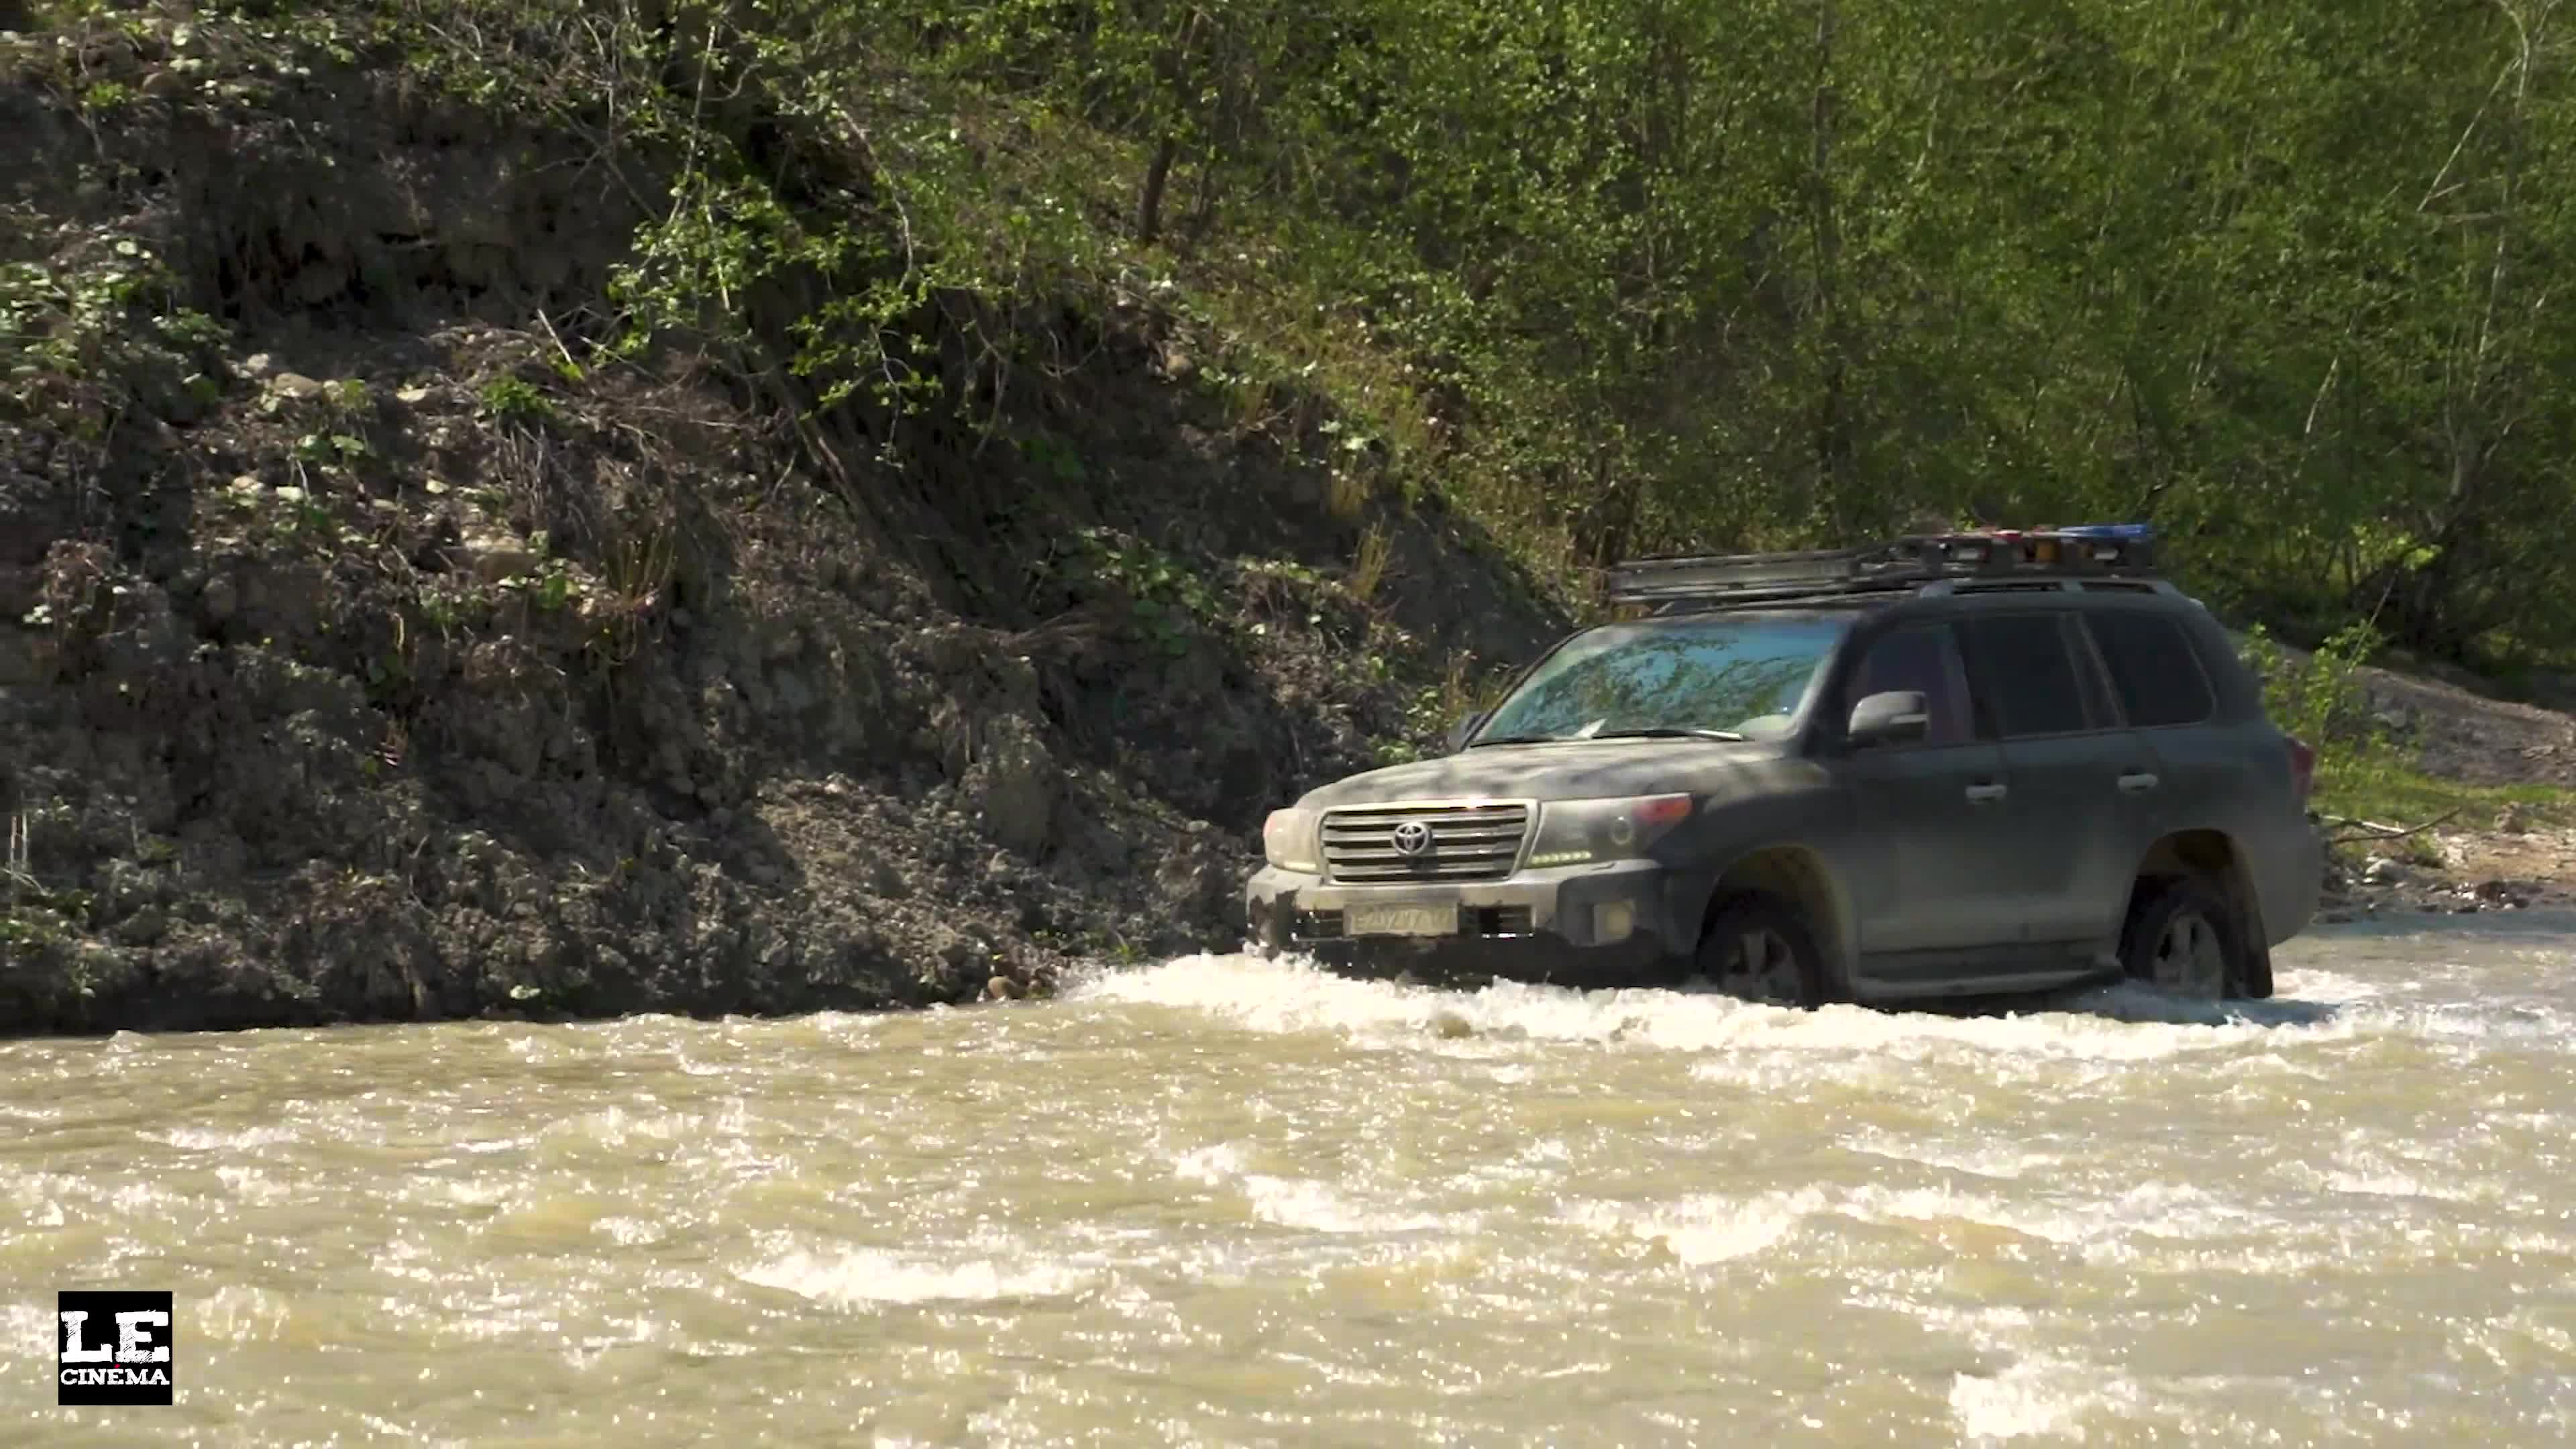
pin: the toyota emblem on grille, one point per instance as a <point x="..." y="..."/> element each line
<point x="1413" y="837"/>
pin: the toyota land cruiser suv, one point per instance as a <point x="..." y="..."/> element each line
<point x="1951" y="765"/>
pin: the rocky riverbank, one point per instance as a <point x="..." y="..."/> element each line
<point x="2460" y="873"/>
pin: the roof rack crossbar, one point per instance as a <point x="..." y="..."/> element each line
<point x="2071" y="554"/>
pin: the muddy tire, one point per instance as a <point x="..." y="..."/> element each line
<point x="2185" y="940"/>
<point x="1759" y="948"/>
<point x="2254" y="982"/>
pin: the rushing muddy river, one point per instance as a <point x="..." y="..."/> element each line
<point x="1222" y="1201"/>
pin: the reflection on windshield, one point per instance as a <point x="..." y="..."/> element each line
<point x="1741" y="675"/>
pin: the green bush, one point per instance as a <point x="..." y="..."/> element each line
<point x="2322" y="698"/>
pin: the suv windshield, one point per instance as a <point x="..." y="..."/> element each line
<point x="1728" y="676"/>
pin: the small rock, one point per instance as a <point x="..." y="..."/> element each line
<point x="259" y="364"/>
<point x="493" y="557"/>
<point x="2380" y="870"/>
<point x="145" y="927"/>
<point x="217" y="599"/>
<point x="1003" y="988"/>
<point x="295" y="385"/>
<point x="163" y="84"/>
<point x="2512" y="819"/>
<point x="410" y="395"/>
<point x="1013" y="787"/>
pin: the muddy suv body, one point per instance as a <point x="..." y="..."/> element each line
<point x="1965" y="764"/>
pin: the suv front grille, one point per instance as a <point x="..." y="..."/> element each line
<point x="1467" y="842"/>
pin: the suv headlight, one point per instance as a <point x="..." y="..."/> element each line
<point x="1289" y="840"/>
<point x="1571" y="832"/>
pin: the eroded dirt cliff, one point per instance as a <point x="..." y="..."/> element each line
<point x="370" y="649"/>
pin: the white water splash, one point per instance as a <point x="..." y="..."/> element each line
<point x="2122" y="1023"/>
<point x="2035" y="1398"/>
<point x="862" y="1277"/>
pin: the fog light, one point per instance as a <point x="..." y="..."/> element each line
<point x="1612" y="921"/>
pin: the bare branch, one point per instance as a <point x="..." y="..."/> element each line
<point x="2437" y="188"/>
<point x="2372" y="830"/>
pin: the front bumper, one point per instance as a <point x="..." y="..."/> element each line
<point x="1588" y="925"/>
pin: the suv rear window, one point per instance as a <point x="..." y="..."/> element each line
<point x="2023" y="674"/>
<point x="2153" y="668"/>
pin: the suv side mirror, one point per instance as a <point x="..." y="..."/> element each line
<point x="1458" y="732"/>
<point x="1898" y="716"/>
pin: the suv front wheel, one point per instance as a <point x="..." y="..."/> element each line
<point x="2183" y="939"/>
<point x="1758" y="948"/>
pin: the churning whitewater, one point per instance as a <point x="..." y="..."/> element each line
<point x="1230" y="1201"/>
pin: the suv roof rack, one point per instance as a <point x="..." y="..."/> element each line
<point x="1940" y="562"/>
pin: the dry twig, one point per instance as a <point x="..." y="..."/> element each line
<point x="2373" y="830"/>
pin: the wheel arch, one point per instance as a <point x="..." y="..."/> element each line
<point x="1798" y="875"/>
<point x="2208" y="854"/>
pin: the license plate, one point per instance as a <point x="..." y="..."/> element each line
<point x="1401" y="920"/>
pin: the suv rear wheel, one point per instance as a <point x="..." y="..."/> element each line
<point x="1758" y="947"/>
<point x="2183" y="939"/>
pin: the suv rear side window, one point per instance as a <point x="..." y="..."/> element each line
<point x="2153" y="669"/>
<point x="2023" y="674"/>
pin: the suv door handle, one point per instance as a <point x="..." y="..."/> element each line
<point x="2137" y="782"/>
<point x="1982" y="794"/>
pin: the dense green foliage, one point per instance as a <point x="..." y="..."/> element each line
<point x="1623" y="275"/>
<point x="1731" y="274"/>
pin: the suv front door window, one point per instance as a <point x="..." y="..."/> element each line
<point x="1934" y="836"/>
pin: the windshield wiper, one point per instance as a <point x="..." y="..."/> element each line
<point x="1668" y="732"/>
<point x="1515" y="740"/>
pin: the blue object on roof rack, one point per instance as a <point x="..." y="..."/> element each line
<point x="2109" y="530"/>
<point x="2089" y="550"/>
